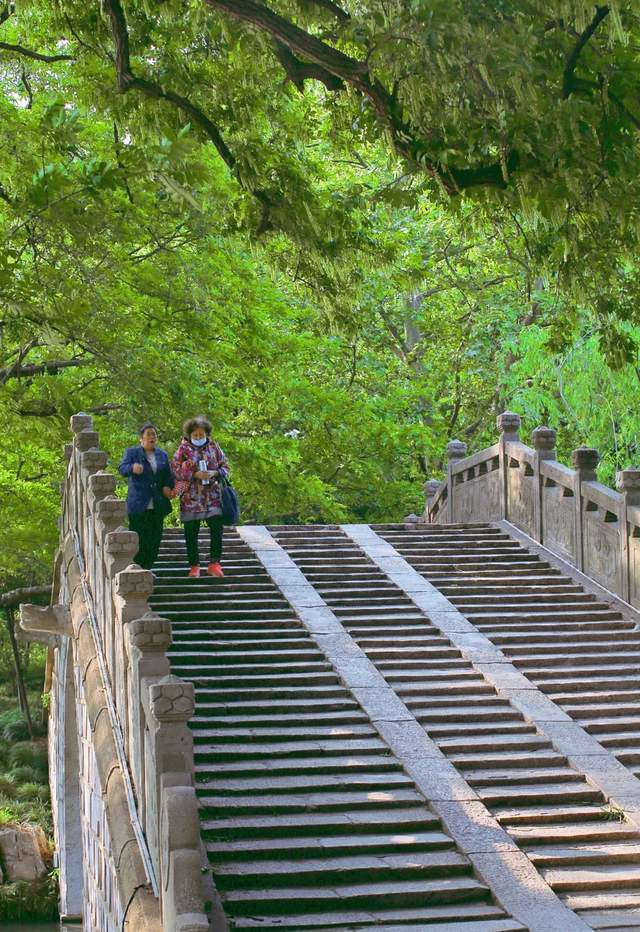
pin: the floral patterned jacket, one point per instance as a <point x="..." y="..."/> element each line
<point x="198" y="499"/>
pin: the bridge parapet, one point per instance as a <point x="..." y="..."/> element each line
<point x="122" y="772"/>
<point x="594" y="528"/>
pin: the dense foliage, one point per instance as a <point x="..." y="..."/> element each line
<point x="345" y="232"/>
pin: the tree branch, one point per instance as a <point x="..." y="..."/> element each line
<point x="337" y="11"/>
<point x="127" y="81"/>
<point x="298" y="72"/>
<point x="28" y="53"/>
<point x="18" y="371"/>
<point x="356" y="73"/>
<point x="15" y="596"/>
<point x="572" y="61"/>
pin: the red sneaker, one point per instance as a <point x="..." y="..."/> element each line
<point x="214" y="569"/>
<point x="194" y="572"/>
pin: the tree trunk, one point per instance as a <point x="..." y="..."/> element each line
<point x="22" y="692"/>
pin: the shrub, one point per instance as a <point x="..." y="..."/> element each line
<point x="30" y="901"/>
<point x="31" y="754"/>
<point x="27" y="774"/>
<point x="13" y="726"/>
<point x="8" y="787"/>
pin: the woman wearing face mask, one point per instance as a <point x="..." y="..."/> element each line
<point x="197" y="463"/>
<point x="147" y="468"/>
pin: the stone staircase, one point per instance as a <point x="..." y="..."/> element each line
<point x="310" y="821"/>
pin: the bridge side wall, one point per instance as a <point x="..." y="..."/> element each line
<point x="594" y="528"/>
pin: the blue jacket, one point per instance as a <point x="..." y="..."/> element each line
<point x="145" y="486"/>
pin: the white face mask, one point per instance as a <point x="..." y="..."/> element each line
<point x="199" y="443"/>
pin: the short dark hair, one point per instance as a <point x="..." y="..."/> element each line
<point x="193" y="423"/>
<point x="146" y="426"/>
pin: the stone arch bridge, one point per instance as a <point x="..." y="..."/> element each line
<point x="432" y="725"/>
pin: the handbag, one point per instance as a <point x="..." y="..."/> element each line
<point x="229" y="504"/>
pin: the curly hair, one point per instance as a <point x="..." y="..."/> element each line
<point x="193" y="423"/>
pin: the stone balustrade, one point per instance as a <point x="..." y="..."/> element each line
<point x="594" y="528"/>
<point x="122" y="772"/>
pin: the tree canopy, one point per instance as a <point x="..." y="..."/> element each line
<point x="345" y="232"/>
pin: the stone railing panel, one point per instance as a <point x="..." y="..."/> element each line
<point x="567" y="510"/>
<point x="126" y="747"/>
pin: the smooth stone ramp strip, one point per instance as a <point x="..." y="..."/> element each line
<point x="505" y="869"/>
<point x="600" y="767"/>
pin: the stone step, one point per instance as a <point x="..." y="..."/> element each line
<point x="293" y="783"/>
<point x="262" y="734"/>
<point x="400" y="821"/>
<point x="572" y="832"/>
<point x="520" y="776"/>
<point x="328" y="801"/>
<point x="345" y="869"/>
<point x="309" y="658"/>
<point x="513" y="760"/>
<point x="310" y="847"/>
<point x="511" y="742"/>
<point x="317" y="706"/>
<point x="541" y="815"/>
<point x="539" y="794"/>
<point x="595" y="854"/>
<point x="604" y="900"/>
<point x="296" y="720"/>
<point x="460" y="917"/>
<point x="292" y="748"/>
<point x="399" y="893"/>
<point x="602" y="877"/>
<point x="299" y="692"/>
<point x="299" y="766"/>
<point x="475" y="713"/>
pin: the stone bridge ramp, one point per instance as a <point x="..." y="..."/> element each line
<point x="395" y="727"/>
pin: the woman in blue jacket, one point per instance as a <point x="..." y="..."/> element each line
<point x="147" y="468"/>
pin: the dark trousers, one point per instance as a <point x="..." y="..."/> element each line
<point x="191" y="529"/>
<point x="148" y="526"/>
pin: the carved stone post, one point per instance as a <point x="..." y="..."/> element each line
<point x="131" y="592"/>
<point x="147" y="640"/>
<point x="544" y="442"/>
<point x="628" y="483"/>
<point x="430" y="489"/>
<point x="456" y="450"/>
<point x="509" y="427"/>
<point x="585" y="461"/>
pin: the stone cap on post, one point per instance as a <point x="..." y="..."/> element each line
<point x="628" y="482"/>
<point x="151" y="633"/>
<point x="585" y="461"/>
<point x="133" y="586"/>
<point x="172" y="699"/>
<point x="544" y="441"/>
<point x="456" y="450"/>
<point x="120" y="547"/>
<point x="431" y="486"/>
<point x="509" y="425"/>
<point x="92" y="461"/>
<point x="99" y="485"/>
<point x="81" y="421"/>
<point x="111" y="513"/>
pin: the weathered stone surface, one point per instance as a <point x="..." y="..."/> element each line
<point x="22" y="852"/>
<point x="50" y="619"/>
<point x="151" y="633"/>
<point x="172" y="699"/>
<point x="509" y="425"/>
<point x="585" y="461"/>
<point x="544" y="441"/>
<point x="134" y="583"/>
<point x="86" y="439"/>
<point x="456" y="450"/>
